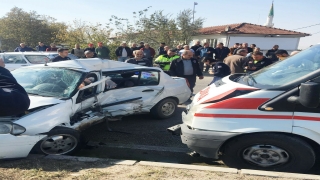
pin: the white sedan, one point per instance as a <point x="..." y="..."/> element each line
<point x="69" y="96"/>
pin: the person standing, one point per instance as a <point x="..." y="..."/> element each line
<point x="123" y="52"/>
<point x="196" y="46"/>
<point x="165" y="60"/>
<point x="204" y="52"/>
<point x="23" y="48"/>
<point x="134" y="48"/>
<point x="141" y="45"/>
<point x="148" y="52"/>
<point x="271" y="53"/>
<point x="52" y="47"/>
<point x="244" y="46"/>
<point x="63" y="55"/>
<point x="220" y="69"/>
<point x="234" y="48"/>
<point x="161" y="50"/>
<point x="281" y="54"/>
<point x="235" y="62"/>
<point x="186" y="67"/>
<point x="77" y="51"/>
<point x="257" y="62"/>
<point x="138" y="59"/>
<point x="221" y="52"/>
<point x="185" y="48"/>
<point x="14" y="98"/>
<point x="88" y="54"/>
<point x="102" y="52"/>
<point x="92" y="49"/>
<point x="41" y="47"/>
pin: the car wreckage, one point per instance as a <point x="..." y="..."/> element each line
<point x="69" y="96"/>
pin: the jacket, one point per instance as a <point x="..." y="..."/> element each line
<point x="220" y="69"/>
<point x="164" y="61"/>
<point x="152" y="51"/>
<point x="141" y="62"/>
<point x="41" y="48"/>
<point x="249" y="63"/>
<point x="271" y="54"/>
<point x="103" y="52"/>
<point x="177" y="68"/>
<point x="25" y="49"/>
<point x="161" y="51"/>
<point x="119" y="51"/>
<point x="248" y="48"/>
<point x="195" y="48"/>
<point x="78" y="52"/>
<point x="14" y="99"/>
<point x="235" y="62"/>
<point x="202" y="52"/>
<point x="220" y="54"/>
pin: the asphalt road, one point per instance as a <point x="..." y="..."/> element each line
<point x="141" y="137"/>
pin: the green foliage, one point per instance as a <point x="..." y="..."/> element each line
<point x="19" y="26"/>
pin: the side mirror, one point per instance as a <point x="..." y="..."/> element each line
<point x="309" y="95"/>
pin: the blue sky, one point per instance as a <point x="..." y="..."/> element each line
<point x="288" y="14"/>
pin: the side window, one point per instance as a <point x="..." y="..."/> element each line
<point x="118" y="80"/>
<point x="37" y="59"/>
<point x="14" y="59"/>
<point x="149" y="78"/>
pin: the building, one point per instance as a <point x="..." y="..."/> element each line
<point x="264" y="37"/>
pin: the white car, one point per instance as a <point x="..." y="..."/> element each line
<point x="62" y="106"/>
<point x="15" y="60"/>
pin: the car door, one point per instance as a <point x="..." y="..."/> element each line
<point x="14" y="61"/>
<point x="142" y="84"/>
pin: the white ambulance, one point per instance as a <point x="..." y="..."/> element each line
<point x="268" y="120"/>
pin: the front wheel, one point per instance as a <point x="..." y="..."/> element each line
<point x="164" y="109"/>
<point x="267" y="151"/>
<point x="60" y="141"/>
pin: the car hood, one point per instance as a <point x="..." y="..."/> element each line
<point x="38" y="101"/>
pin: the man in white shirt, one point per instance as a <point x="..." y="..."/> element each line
<point x="123" y="52"/>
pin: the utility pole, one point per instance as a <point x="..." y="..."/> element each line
<point x="194" y="7"/>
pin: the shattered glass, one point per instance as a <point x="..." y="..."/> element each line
<point x="51" y="82"/>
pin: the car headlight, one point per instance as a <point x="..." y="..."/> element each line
<point x="11" y="128"/>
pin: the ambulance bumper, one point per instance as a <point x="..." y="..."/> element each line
<point x="206" y="143"/>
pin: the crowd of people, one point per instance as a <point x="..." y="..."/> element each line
<point x="182" y="61"/>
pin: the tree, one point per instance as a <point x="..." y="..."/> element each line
<point x="29" y="27"/>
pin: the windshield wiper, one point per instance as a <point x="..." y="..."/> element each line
<point x="252" y="78"/>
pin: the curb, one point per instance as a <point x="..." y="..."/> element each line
<point x="183" y="166"/>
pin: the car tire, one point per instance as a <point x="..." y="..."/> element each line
<point x="269" y="151"/>
<point x="164" y="109"/>
<point x="60" y="141"/>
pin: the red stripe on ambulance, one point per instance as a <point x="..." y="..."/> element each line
<point x="239" y="103"/>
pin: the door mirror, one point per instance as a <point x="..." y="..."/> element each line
<point x="309" y="95"/>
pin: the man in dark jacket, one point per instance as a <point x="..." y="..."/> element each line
<point x="257" y="62"/>
<point x="23" y="48"/>
<point x="41" y="47"/>
<point x="123" y="52"/>
<point x="139" y="60"/>
<point x="63" y="55"/>
<point x="186" y="67"/>
<point x="221" y="52"/>
<point x="220" y="69"/>
<point x="196" y="46"/>
<point x="244" y="46"/>
<point x="14" y="99"/>
<point x="161" y="50"/>
<point x="91" y="48"/>
<point x="204" y="52"/>
<point x="271" y="53"/>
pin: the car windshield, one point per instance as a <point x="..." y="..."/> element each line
<point x="288" y="70"/>
<point x="52" y="82"/>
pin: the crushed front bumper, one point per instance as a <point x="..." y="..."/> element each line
<point x="206" y="143"/>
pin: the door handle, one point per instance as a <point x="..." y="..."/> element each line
<point x="148" y="90"/>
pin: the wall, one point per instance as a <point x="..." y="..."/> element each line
<point x="265" y="43"/>
<point x="207" y="38"/>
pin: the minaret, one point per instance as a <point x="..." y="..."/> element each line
<point x="270" y="17"/>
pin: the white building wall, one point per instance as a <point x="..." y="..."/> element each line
<point x="208" y="38"/>
<point x="265" y="43"/>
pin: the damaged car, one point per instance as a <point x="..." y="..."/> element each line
<point x="67" y="97"/>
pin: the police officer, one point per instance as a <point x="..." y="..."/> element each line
<point x="63" y="55"/>
<point x="165" y="60"/>
<point x="14" y="99"/>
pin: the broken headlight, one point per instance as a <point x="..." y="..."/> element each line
<point x="11" y="128"/>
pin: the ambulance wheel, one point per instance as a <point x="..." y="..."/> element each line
<point x="269" y="151"/>
<point x="60" y="141"/>
<point x="164" y="109"/>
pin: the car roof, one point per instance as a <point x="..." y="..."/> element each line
<point x="94" y="64"/>
<point x="30" y="53"/>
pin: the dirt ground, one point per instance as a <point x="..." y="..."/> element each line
<point x="43" y="169"/>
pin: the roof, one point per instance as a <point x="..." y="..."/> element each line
<point x="92" y="64"/>
<point x="248" y="28"/>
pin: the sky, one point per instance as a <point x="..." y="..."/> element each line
<point x="288" y="14"/>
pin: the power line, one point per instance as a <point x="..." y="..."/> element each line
<point x="307" y="26"/>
